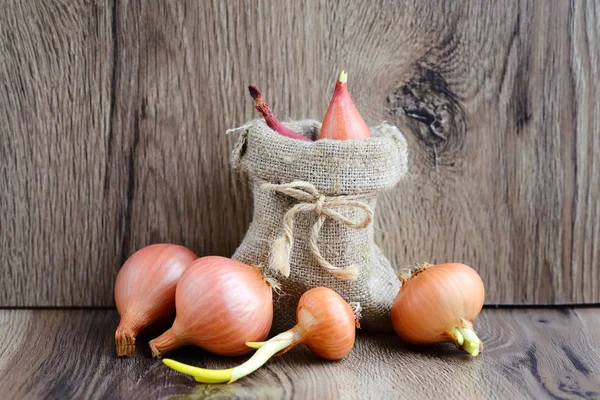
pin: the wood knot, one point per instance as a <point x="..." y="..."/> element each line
<point x="435" y="115"/>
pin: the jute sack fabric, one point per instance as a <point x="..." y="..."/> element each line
<point x="313" y="215"/>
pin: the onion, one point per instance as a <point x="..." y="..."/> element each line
<point x="439" y="303"/>
<point x="342" y="120"/>
<point x="221" y="304"/>
<point x="270" y="118"/>
<point x="325" y="323"/>
<point x="145" y="290"/>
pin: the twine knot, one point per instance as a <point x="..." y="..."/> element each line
<point x="310" y="200"/>
<point x="319" y="205"/>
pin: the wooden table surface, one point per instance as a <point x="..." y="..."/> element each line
<point x="529" y="353"/>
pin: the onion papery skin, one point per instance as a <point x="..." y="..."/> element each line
<point x="326" y="322"/>
<point x="221" y="304"/>
<point x="436" y="300"/>
<point x="342" y="120"/>
<point x="145" y="290"/>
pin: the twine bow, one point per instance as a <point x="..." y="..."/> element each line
<point x="311" y="200"/>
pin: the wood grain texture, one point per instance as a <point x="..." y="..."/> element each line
<point x="55" y="68"/>
<point x="115" y="114"/>
<point x="537" y="354"/>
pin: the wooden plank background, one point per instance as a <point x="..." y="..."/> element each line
<point x="112" y="121"/>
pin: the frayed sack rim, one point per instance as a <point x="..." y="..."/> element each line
<point x="334" y="167"/>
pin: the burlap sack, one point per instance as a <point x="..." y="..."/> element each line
<point x="313" y="205"/>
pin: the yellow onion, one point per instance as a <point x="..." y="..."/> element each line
<point x="145" y="290"/>
<point x="221" y="304"/>
<point x="439" y="303"/>
<point x="325" y="323"/>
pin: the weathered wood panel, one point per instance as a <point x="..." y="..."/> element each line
<point x="56" y="240"/>
<point x="116" y="115"/>
<point x="536" y="354"/>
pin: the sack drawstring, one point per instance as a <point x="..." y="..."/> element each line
<point x="324" y="206"/>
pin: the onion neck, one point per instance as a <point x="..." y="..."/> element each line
<point x="278" y="344"/>
<point x="166" y="342"/>
<point x="125" y="337"/>
<point x="407" y="273"/>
